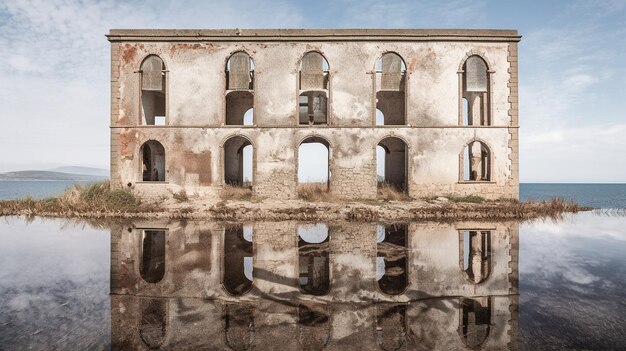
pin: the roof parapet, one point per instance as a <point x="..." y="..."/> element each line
<point x="497" y="35"/>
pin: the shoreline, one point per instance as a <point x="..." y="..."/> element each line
<point x="440" y="209"/>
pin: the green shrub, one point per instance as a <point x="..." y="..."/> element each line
<point x="469" y="198"/>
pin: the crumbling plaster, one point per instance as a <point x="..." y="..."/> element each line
<point x="195" y="130"/>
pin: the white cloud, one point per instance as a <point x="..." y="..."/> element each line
<point x="54" y="64"/>
<point x="567" y="248"/>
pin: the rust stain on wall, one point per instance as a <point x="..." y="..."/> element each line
<point x="128" y="140"/>
<point x="193" y="163"/>
<point x="129" y="53"/>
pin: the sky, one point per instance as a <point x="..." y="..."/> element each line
<point x="54" y="70"/>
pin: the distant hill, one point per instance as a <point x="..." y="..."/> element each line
<point x="100" y="172"/>
<point x="49" y="175"/>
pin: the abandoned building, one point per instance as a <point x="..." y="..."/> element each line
<point x="428" y="112"/>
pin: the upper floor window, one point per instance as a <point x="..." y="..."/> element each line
<point x="313" y="98"/>
<point x="475" y="104"/>
<point x="390" y="89"/>
<point x="153" y="91"/>
<point x="240" y="89"/>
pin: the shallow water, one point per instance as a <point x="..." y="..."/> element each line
<point x="343" y="286"/>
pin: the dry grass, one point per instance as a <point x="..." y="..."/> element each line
<point x="362" y="214"/>
<point x="79" y="200"/>
<point x="181" y="196"/>
<point x="314" y="192"/>
<point x="233" y="192"/>
<point x="474" y="199"/>
<point x="499" y="210"/>
<point x="388" y="192"/>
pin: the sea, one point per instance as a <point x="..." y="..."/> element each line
<point x="543" y="284"/>
<point x="36" y="189"/>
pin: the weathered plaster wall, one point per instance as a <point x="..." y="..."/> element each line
<point x="196" y="106"/>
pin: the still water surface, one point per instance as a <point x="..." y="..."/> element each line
<point x="337" y="286"/>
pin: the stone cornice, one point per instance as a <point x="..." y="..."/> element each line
<point x="307" y="35"/>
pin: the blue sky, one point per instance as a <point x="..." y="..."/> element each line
<point x="54" y="69"/>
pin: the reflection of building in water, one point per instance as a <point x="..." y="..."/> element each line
<point x="238" y="253"/>
<point x="313" y="327"/>
<point x="142" y="323"/>
<point x="476" y="254"/>
<point x="474" y="320"/>
<point x="313" y="261"/>
<point x="238" y="326"/>
<point x="153" y="322"/>
<point x="391" y="327"/>
<point x="391" y="258"/>
<point x="152" y="265"/>
<point x="440" y="286"/>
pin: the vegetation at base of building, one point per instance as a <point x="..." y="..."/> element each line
<point x="388" y="192"/>
<point x="314" y="192"/>
<point x="181" y="196"/>
<point x="474" y="199"/>
<point x="234" y="192"/>
<point x="316" y="204"/>
<point x="81" y="199"/>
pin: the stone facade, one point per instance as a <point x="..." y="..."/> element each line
<point x="191" y="109"/>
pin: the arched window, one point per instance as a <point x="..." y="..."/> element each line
<point x="248" y="117"/>
<point x="153" y="326"/>
<point x="238" y="260"/>
<point x="476" y="162"/>
<point x="390" y="88"/>
<point x="313" y="259"/>
<point x="313" y="166"/>
<point x="391" y="164"/>
<point x="391" y="328"/>
<point x="474" y="320"/>
<point x="391" y="258"/>
<point x="153" y="89"/>
<point x="380" y="118"/>
<point x="313" y="100"/>
<point x="152" y="264"/>
<point x="238" y="162"/>
<point x="476" y="92"/>
<point x="152" y="161"/>
<point x="313" y="327"/>
<point x="475" y="251"/>
<point x="239" y="88"/>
